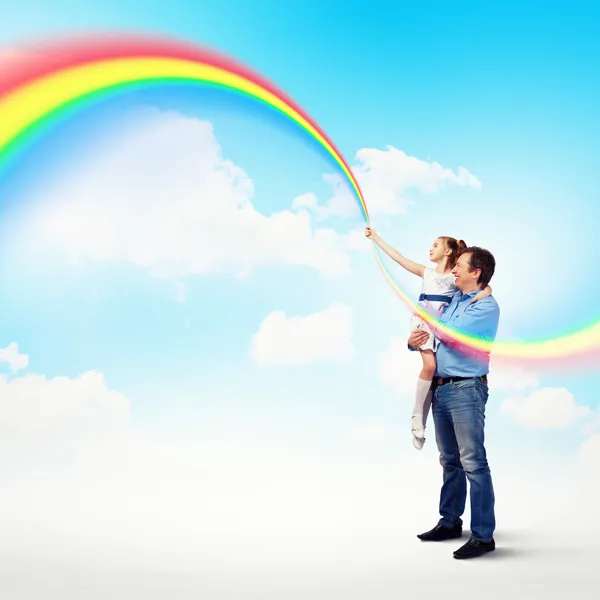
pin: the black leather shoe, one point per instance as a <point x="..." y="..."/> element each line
<point x="440" y="533"/>
<point x="474" y="548"/>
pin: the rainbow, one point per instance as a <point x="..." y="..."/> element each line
<point x="50" y="81"/>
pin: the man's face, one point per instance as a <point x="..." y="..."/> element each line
<point x="464" y="278"/>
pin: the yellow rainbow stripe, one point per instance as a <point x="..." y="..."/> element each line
<point x="27" y="105"/>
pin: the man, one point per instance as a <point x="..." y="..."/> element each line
<point x="460" y="393"/>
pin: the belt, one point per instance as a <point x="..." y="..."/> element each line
<point x="438" y="381"/>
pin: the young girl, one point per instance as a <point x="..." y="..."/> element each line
<point x="436" y="292"/>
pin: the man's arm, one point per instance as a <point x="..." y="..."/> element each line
<point x="479" y="320"/>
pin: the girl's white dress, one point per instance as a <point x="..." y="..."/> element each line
<point x="438" y="290"/>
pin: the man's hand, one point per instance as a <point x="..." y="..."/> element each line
<point x="417" y="338"/>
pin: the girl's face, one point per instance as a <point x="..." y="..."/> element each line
<point x="438" y="251"/>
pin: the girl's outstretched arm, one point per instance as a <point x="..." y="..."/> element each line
<point x="406" y="263"/>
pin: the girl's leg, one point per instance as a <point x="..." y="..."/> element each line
<point x="423" y="398"/>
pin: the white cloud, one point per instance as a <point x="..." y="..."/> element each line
<point x="368" y="435"/>
<point x="356" y="240"/>
<point x="11" y="355"/>
<point x="589" y="453"/>
<point x="386" y="178"/>
<point x="588" y="476"/>
<point x="61" y="406"/>
<point x="321" y="337"/>
<point x="510" y="378"/>
<point x="400" y="367"/>
<point x="546" y="408"/>
<point x="309" y="201"/>
<point x="161" y="196"/>
<point x="179" y="518"/>
<point x="386" y="175"/>
<point x="532" y="405"/>
<point x="528" y="403"/>
<point x="237" y="501"/>
<point x="593" y="423"/>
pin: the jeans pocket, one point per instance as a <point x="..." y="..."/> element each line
<point x="482" y="392"/>
<point x="467" y="384"/>
<point x="481" y="385"/>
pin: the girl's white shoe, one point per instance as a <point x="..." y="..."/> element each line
<point x="418" y="432"/>
<point x="418" y="441"/>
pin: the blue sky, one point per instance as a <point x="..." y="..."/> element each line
<point x="506" y="91"/>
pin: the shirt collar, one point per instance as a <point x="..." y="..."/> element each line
<point x="468" y="295"/>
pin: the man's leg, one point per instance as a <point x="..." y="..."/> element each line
<point x="453" y="494"/>
<point x="467" y="412"/>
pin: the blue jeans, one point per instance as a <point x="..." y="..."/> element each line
<point x="459" y="415"/>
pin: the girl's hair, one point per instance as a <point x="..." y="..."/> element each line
<point x="455" y="247"/>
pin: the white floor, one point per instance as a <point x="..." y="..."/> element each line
<point x="525" y="565"/>
<point x="259" y="530"/>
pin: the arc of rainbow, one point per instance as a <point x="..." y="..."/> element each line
<point x="71" y="75"/>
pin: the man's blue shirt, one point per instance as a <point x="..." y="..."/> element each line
<point x="479" y="319"/>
